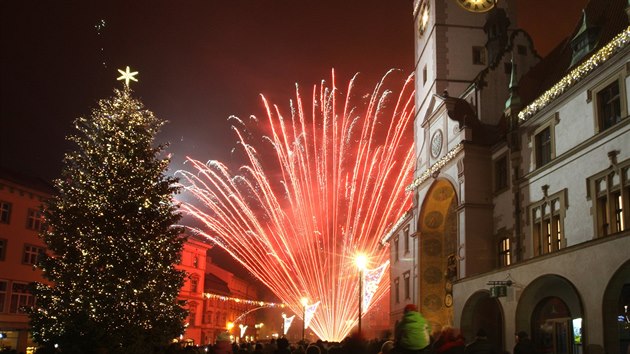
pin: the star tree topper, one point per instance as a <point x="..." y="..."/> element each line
<point x="127" y="75"/>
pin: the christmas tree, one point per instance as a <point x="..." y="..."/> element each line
<point x="111" y="240"/>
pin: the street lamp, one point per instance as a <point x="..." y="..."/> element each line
<point x="304" y="302"/>
<point x="361" y="262"/>
<point x="258" y="326"/>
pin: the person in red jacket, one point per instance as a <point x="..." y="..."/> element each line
<point x="450" y="341"/>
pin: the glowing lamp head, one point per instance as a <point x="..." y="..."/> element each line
<point x="304" y="301"/>
<point x="361" y="261"/>
<point x="230" y="325"/>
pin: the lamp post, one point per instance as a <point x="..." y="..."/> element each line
<point x="258" y="326"/>
<point x="361" y="262"/>
<point x="304" y="302"/>
<point x="229" y="327"/>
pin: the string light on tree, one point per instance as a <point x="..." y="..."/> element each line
<point x="112" y="244"/>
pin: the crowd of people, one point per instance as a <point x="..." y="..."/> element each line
<point x="412" y="335"/>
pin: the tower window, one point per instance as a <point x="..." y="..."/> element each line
<point x="609" y="106"/>
<point x="424" y="75"/>
<point x="501" y="173"/>
<point x="543" y="147"/>
<point x="479" y="56"/>
<point x="504" y="252"/>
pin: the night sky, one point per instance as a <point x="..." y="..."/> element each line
<point x="198" y="61"/>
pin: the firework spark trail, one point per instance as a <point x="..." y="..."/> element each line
<point x="335" y="184"/>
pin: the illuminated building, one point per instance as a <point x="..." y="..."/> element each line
<point x="233" y="298"/>
<point x="21" y="199"/>
<point x="194" y="263"/>
<point x="522" y="185"/>
<point x="209" y="315"/>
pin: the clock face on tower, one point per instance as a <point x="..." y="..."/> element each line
<point x="477" y="5"/>
<point x="436" y="144"/>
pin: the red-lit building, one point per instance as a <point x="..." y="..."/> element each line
<point x="21" y="198"/>
<point x="194" y="263"/>
<point x="213" y="297"/>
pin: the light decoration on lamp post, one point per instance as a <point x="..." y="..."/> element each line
<point x="243" y="329"/>
<point x="361" y="262"/>
<point x="286" y="324"/>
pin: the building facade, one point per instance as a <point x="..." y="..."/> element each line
<point x="218" y="301"/>
<point x="230" y="305"/>
<point x="193" y="262"/>
<point x="522" y="186"/>
<point x="21" y="200"/>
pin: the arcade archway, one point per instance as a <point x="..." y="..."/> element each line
<point x="483" y="312"/>
<point x="550" y="310"/>
<point x="437" y="225"/>
<point x="616" y="311"/>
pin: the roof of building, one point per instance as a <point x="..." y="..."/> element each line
<point x="610" y="18"/>
<point x="215" y="285"/>
<point x="27" y="181"/>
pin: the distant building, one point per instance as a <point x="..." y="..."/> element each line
<point x="215" y="298"/>
<point x="194" y="263"/>
<point x="21" y="200"/>
<point x="227" y="309"/>
<point x="521" y="192"/>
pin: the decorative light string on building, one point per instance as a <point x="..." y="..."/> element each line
<point x="436" y="167"/>
<point x="243" y="301"/>
<point x="577" y="74"/>
<point x="394" y="228"/>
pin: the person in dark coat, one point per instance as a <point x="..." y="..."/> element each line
<point x="283" y="346"/>
<point x="480" y="345"/>
<point x="523" y="344"/>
